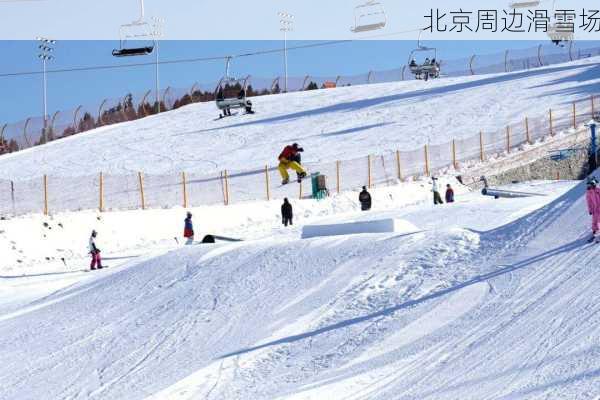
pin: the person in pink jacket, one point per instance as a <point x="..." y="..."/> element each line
<point x="593" y="203"/>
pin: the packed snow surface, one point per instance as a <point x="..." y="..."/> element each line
<point x="490" y="299"/>
<point x="337" y="124"/>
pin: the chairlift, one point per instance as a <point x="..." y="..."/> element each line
<point x="231" y="93"/>
<point x="557" y="32"/>
<point x="524" y="4"/>
<point x="429" y="67"/>
<point x="138" y="31"/>
<point x="368" y="17"/>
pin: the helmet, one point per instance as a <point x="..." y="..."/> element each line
<point x="295" y="145"/>
<point x="189" y="214"/>
<point x="94" y="233"/>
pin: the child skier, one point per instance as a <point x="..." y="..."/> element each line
<point x="593" y="203"/>
<point x="286" y="161"/>
<point x="188" y="229"/>
<point x="95" y="253"/>
<point x="287" y="213"/>
<point x="449" y="194"/>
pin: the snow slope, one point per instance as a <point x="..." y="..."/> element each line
<point x="490" y="300"/>
<point x="343" y="123"/>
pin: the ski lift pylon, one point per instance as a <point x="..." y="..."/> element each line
<point x="231" y="92"/>
<point x="138" y="30"/>
<point x="369" y="16"/>
<point x="430" y="67"/>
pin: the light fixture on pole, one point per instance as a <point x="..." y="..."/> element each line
<point x="287" y="25"/>
<point x="157" y="33"/>
<point x="46" y="47"/>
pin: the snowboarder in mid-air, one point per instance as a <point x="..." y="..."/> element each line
<point x="286" y="161"/>
<point x="188" y="229"/>
<point x="365" y="199"/>
<point x="95" y="252"/>
<point x="593" y="203"/>
<point x="287" y="213"/>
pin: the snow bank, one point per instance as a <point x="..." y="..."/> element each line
<point x="353" y="228"/>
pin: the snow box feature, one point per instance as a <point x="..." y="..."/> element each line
<point x="352" y="228"/>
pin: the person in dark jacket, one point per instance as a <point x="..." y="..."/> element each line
<point x="365" y="199"/>
<point x="437" y="199"/>
<point x="449" y="194"/>
<point x="188" y="230"/>
<point x="287" y="213"/>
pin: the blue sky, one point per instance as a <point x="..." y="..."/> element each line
<point x="238" y="19"/>
<point x="21" y="96"/>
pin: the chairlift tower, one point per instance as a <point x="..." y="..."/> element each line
<point x="287" y="25"/>
<point x="45" y="47"/>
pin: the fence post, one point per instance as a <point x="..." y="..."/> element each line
<point x="267" y="183"/>
<point x="551" y="124"/>
<point x="399" y="165"/>
<point x="46" y="195"/>
<point x="226" y="188"/>
<point x="101" y="205"/>
<point x="427" y="160"/>
<point x="12" y="197"/>
<point x="222" y="177"/>
<point x="142" y="197"/>
<point x="574" y="116"/>
<point x="454" y="164"/>
<point x="508" y="139"/>
<point x="337" y="172"/>
<point x="527" y="130"/>
<point x="369" y="170"/>
<point x="481" y="147"/>
<point x="185" y="193"/>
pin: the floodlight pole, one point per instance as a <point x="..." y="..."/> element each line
<point x="45" y="48"/>
<point x="157" y="33"/>
<point x="287" y="25"/>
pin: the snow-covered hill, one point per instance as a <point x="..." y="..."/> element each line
<point x="489" y="299"/>
<point x="339" y="124"/>
<point x="473" y="306"/>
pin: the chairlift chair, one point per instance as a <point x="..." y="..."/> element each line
<point x="524" y="4"/>
<point x="368" y="17"/>
<point x="231" y="93"/>
<point x="139" y="31"/>
<point x="424" y="70"/>
<point x="558" y="34"/>
<point x="557" y="31"/>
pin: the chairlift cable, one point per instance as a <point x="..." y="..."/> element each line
<point x="203" y="59"/>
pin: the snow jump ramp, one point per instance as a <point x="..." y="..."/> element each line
<point x="359" y="227"/>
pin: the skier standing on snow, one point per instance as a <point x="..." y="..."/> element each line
<point x="188" y="230"/>
<point x="449" y="194"/>
<point x="437" y="199"/>
<point x="365" y="199"/>
<point x="286" y="161"/>
<point x="287" y="213"/>
<point x="95" y="253"/>
<point x="593" y="203"/>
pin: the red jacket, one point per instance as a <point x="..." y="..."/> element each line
<point x="288" y="153"/>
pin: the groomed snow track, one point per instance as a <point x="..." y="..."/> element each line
<point x="511" y="313"/>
